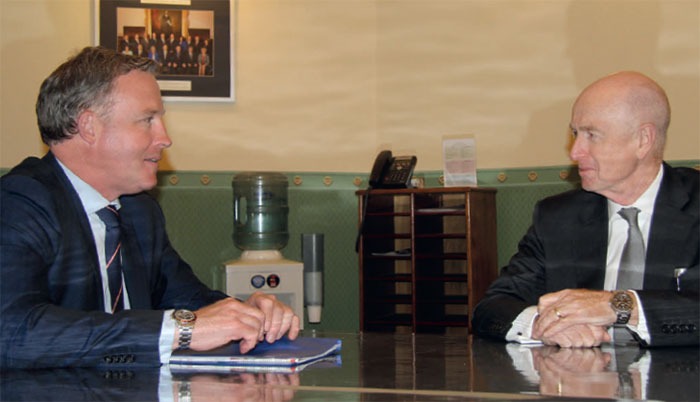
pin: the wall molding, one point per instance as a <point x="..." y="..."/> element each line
<point x="536" y="175"/>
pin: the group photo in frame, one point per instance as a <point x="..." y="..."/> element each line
<point x="190" y="41"/>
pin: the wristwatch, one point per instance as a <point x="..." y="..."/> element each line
<point x="622" y="304"/>
<point x="184" y="319"/>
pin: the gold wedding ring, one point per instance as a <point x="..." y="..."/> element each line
<point x="558" y="313"/>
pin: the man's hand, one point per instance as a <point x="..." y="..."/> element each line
<point x="261" y="317"/>
<point x="561" y="311"/>
<point x="578" y="336"/>
<point x="225" y="321"/>
<point x="278" y="317"/>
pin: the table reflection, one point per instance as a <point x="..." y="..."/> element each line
<point x="381" y="366"/>
<point x="248" y="387"/>
<point x="583" y="372"/>
<point x="627" y="372"/>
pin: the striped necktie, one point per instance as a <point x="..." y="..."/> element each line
<point x="110" y="217"/>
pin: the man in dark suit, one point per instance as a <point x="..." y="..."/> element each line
<point x="569" y="282"/>
<point x="190" y="61"/>
<point x="101" y="115"/>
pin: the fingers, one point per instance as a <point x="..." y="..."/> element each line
<point x="549" y="300"/>
<point x="263" y="317"/>
<point x="249" y="335"/>
<point x="288" y="323"/>
<point x="563" y="309"/>
<point x="279" y="318"/>
<point x="274" y="322"/>
<point x="294" y="328"/>
<point x="548" y="312"/>
<point x="578" y="336"/>
<point x="550" y="321"/>
<point x="224" y="321"/>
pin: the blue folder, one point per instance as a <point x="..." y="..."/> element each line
<point x="283" y="353"/>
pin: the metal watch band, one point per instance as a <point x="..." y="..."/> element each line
<point x="184" y="319"/>
<point x="185" y="337"/>
<point x="623" y="317"/>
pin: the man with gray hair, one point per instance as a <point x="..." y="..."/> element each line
<point x="88" y="275"/>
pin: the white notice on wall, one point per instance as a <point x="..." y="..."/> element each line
<point x="459" y="162"/>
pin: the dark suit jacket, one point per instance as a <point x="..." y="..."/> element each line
<point x="566" y="247"/>
<point x="51" y="292"/>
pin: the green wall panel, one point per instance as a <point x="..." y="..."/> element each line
<point x="198" y="210"/>
<point x="200" y="225"/>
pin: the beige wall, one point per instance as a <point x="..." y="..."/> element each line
<point x="321" y="85"/>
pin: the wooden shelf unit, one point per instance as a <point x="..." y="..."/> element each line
<point x="426" y="257"/>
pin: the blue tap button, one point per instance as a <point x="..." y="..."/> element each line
<point x="257" y="281"/>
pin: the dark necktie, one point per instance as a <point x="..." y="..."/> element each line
<point x="110" y="216"/>
<point x="631" y="272"/>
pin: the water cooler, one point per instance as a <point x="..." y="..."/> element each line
<point x="260" y="229"/>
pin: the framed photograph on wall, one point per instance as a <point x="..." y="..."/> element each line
<point x="190" y="40"/>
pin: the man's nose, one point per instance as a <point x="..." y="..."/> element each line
<point x="576" y="149"/>
<point x="162" y="138"/>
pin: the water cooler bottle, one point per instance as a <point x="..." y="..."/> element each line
<point x="260" y="229"/>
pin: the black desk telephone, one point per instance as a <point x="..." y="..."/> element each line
<point x="388" y="172"/>
<point x="392" y="172"/>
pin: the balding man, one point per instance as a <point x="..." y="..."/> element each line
<point x="623" y="250"/>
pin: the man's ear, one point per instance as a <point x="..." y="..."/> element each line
<point x="87" y="126"/>
<point x="646" y="139"/>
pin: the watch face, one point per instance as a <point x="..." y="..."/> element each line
<point x="622" y="302"/>
<point x="184" y="316"/>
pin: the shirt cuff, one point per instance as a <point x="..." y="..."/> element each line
<point x="521" y="330"/>
<point x="167" y="337"/>
<point x="641" y="328"/>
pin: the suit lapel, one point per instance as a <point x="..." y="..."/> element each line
<point x="671" y="227"/>
<point x="72" y="211"/>
<point x="591" y="243"/>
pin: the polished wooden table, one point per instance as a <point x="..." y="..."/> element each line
<point x="397" y="367"/>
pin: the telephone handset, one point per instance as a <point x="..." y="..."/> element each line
<point x="388" y="172"/>
<point x="392" y="172"/>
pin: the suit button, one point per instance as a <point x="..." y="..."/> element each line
<point x="683" y="328"/>
<point x="692" y="328"/>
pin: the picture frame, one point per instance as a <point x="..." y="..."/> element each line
<point x="191" y="40"/>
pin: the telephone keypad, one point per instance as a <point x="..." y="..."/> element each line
<point x="399" y="172"/>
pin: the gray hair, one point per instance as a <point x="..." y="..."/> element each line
<point x="83" y="82"/>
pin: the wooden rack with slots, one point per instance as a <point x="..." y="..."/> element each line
<point x="426" y="257"/>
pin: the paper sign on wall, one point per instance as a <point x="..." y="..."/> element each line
<point x="459" y="162"/>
